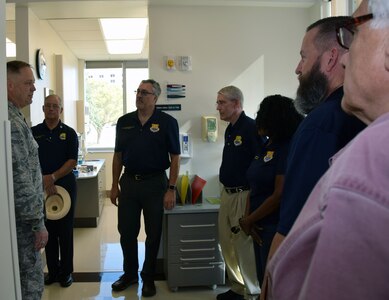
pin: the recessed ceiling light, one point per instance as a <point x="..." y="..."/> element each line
<point x="124" y="46"/>
<point x="124" y="28"/>
<point x="124" y="35"/>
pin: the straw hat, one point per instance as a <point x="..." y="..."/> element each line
<point x="57" y="205"/>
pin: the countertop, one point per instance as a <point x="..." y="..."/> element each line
<point x="193" y="208"/>
<point x="96" y="163"/>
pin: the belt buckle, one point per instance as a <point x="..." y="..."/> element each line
<point x="137" y="177"/>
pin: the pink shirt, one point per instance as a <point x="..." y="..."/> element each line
<point x="338" y="247"/>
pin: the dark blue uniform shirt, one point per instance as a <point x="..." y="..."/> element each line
<point x="261" y="175"/>
<point x="241" y="143"/>
<point x="145" y="149"/>
<point x="55" y="146"/>
<point x="320" y="135"/>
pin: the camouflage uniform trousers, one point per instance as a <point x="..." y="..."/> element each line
<point x="30" y="264"/>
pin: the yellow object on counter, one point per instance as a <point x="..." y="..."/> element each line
<point x="184" y="187"/>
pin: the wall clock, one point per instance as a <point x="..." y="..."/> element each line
<point x="40" y="64"/>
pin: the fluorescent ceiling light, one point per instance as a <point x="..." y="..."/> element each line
<point x="124" y="35"/>
<point x="10" y="48"/>
<point x="124" y="46"/>
<point x="124" y="29"/>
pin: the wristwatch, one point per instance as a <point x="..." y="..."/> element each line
<point x="172" y="187"/>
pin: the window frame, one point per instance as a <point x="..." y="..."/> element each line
<point x="133" y="64"/>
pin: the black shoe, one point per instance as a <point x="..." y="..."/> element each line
<point x="123" y="282"/>
<point x="148" y="289"/>
<point x="229" y="295"/>
<point x="50" y="279"/>
<point x="66" y="281"/>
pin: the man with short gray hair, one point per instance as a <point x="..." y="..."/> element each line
<point x="240" y="147"/>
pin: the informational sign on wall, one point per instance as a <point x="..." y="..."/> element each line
<point x="168" y="107"/>
<point x="175" y="91"/>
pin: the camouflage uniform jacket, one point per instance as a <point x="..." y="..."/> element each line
<point x="27" y="176"/>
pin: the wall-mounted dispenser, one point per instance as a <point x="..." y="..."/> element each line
<point x="209" y="128"/>
<point x="186" y="145"/>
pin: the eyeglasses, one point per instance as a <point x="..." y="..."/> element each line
<point x="143" y="93"/>
<point x="345" y="32"/>
<point x="53" y="106"/>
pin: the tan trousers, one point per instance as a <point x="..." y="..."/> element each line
<point x="237" y="249"/>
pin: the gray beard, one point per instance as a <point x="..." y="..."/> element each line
<point x="312" y="91"/>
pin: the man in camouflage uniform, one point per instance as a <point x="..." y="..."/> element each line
<point x="27" y="179"/>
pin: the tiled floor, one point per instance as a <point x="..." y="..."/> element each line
<point x="98" y="262"/>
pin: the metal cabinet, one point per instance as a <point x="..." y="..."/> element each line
<point x="90" y="195"/>
<point x="192" y="254"/>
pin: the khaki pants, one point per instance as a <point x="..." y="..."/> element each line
<point x="237" y="249"/>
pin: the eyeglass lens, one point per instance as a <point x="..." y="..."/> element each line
<point x="143" y="92"/>
<point x="345" y="36"/>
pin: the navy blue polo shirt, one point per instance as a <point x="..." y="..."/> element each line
<point x="145" y="149"/>
<point x="261" y="175"/>
<point x="241" y="143"/>
<point x="55" y="146"/>
<point x="320" y="135"/>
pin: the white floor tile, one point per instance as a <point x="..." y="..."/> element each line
<point x="98" y="250"/>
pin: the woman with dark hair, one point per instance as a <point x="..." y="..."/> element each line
<point x="277" y="120"/>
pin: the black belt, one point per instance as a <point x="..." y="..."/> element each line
<point x="139" y="177"/>
<point x="237" y="189"/>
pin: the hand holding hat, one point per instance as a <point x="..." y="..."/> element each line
<point x="57" y="205"/>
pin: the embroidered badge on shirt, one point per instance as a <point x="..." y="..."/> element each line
<point x="269" y="156"/>
<point x="154" y="128"/>
<point x="62" y="136"/>
<point x="238" y="140"/>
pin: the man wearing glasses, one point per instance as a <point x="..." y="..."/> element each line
<point x="58" y="149"/>
<point x="339" y="247"/>
<point x="147" y="144"/>
<point x="326" y="128"/>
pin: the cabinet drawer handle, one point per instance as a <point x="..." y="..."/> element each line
<point x="196" y="241"/>
<point x="195" y="250"/>
<point x="197" y="268"/>
<point x="197" y="226"/>
<point x="197" y="258"/>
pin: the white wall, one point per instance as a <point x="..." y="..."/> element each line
<point x="255" y="48"/>
<point x="40" y="35"/>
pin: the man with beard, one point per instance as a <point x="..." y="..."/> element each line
<point x="338" y="247"/>
<point x="326" y="128"/>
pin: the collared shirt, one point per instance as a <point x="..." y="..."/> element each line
<point x="27" y="177"/>
<point x="320" y="135"/>
<point x="145" y="149"/>
<point x="266" y="165"/>
<point x="241" y="143"/>
<point x="56" y="146"/>
<point x="339" y="246"/>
